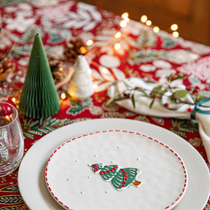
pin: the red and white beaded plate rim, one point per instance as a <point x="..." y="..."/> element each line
<point x="172" y="205"/>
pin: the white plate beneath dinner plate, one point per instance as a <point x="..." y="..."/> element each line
<point x="31" y="176"/>
<point x="119" y="157"/>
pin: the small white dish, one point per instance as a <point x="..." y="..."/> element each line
<point x="73" y="184"/>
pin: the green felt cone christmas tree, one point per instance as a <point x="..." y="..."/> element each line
<point x="120" y="178"/>
<point x="39" y="97"/>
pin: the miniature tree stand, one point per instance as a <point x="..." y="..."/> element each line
<point x="39" y="97"/>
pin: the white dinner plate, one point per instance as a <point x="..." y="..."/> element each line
<point x="31" y="176"/>
<point x="120" y="158"/>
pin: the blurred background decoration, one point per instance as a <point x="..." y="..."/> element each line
<point x="191" y="16"/>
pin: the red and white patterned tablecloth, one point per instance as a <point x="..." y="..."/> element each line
<point x="143" y="53"/>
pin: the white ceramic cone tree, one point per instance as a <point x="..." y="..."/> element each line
<point x="81" y="85"/>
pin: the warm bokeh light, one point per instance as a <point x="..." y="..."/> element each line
<point x="123" y="23"/>
<point x="61" y="69"/>
<point x="174" y="27"/>
<point x="7" y="117"/>
<point x="13" y="99"/>
<point x="95" y="86"/>
<point x="156" y="29"/>
<point x="175" y="34"/>
<point x="124" y="15"/>
<point x="83" y="50"/>
<point x="117" y="35"/>
<point x="63" y="95"/>
<point x="89" y="71"/>
<point x="117" y="46"/>
<point x="89" y="42"/>
<point x="127" y="20"/>
<point x="105" y="71"/>
<point x="149" y="23"/>
<point x="143" y="18"/>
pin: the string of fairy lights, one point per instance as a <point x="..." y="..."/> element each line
<point x="144" y="20"/>
<point x="156" y="29"/>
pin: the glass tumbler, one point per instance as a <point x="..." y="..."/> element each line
<point x="11" y="139"/>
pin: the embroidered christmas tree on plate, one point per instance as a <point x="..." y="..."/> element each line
<point x="120" y="178"/>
